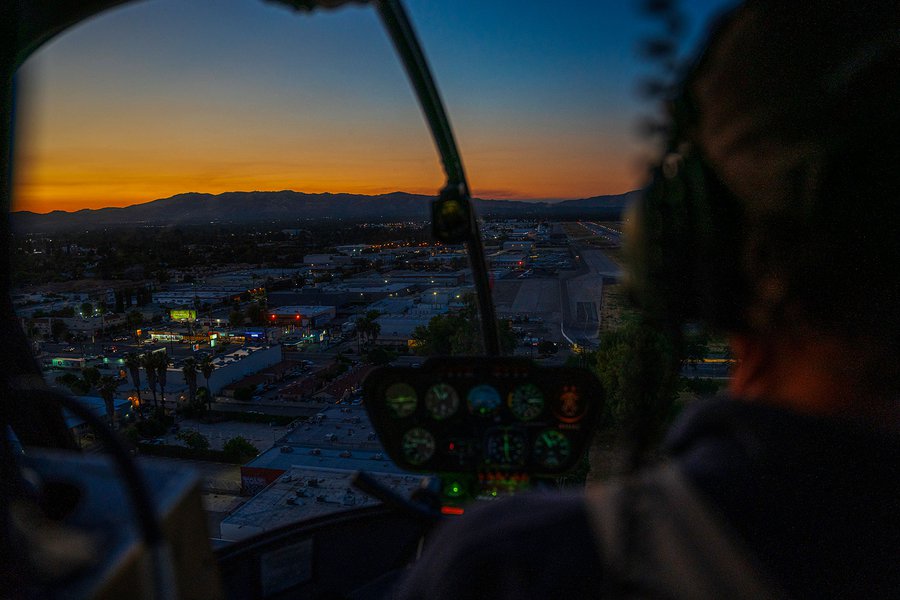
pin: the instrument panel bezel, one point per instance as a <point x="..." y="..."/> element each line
<point x="572" y="402"/>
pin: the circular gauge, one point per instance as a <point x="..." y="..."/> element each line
<point x="442" y="401"/>
<point x="570" y="406"/>
<point x="552" y="449"/>
<point x="506" y="448"/>
<point x="526" y="401"/>
<point x="484" y="400"/>
<point x="418" y="446"/>
<point x="401" y="400"/>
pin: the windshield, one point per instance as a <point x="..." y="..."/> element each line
<point x="221" y="223"/>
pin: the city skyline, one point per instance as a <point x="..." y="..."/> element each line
<point x="161" y="98"/>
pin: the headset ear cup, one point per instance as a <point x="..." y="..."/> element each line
<point x="719" y="270"/>
<point x="683" y="247"/>
<point x="657" y="249"/>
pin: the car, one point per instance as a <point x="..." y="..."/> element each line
<point x="345" y="454"/>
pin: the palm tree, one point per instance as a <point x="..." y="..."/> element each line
<point x="149" y="363"/>
<point x="76" y="384"/>
<point x="162" y="369"/>
<point x="368" y="327"/>
<point x="189" y="369"/>
<point x="207" y="367"/>
<point x="133" y="364"/>
<point x="91" y="376"/>
<point x="107" y="387"/>
<point x="363" y="326"/>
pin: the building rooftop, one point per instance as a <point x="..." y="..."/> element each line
<point x="307" y="311"/>
<point x="396" y="327"/>
<point x="371" y="286"/>
<point x="333" y="430"/>
<point x="338" y="422"/>
<point x="306" y="492"/>
<point x="330" y="456"/>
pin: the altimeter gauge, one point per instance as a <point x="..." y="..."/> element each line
<point x="526" y="402"/>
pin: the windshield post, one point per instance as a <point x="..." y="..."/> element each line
<point x="456" y="192"/>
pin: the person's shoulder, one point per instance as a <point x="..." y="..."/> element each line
<point x="526" y="546"/>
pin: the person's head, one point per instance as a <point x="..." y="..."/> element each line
<point x="793" y="114"/>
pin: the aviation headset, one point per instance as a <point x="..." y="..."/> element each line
<point x="686" y="235"/>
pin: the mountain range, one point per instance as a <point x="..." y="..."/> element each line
<point x="289" y="207"/>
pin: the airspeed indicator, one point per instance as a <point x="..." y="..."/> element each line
<point x="442" y="401"/>
<point x="418" y="446"/>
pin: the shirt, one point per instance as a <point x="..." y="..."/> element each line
<point x="816" y="500"/>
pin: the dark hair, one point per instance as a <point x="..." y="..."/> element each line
<point x="797" y="114"/>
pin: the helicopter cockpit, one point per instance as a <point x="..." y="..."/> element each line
<point x="474" y="428"/>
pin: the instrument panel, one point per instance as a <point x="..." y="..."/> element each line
<point x="494" y="419"/>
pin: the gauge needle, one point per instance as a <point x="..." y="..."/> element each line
<point x="548" y="440"/>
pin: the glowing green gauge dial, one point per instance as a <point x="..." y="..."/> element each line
<point x="552" y="449"/>
<point x="442" y="401"/>
<point x="506" y="448"/>
<point x="401" y="400"/>
<point x="526" y="402"/>
<point x="418" y="446"/>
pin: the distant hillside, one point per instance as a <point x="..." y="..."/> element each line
<point x="288" y="206"/>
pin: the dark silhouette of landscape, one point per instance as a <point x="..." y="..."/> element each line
<point x="288" y="206"/>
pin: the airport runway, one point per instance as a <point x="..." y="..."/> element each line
<point x="581" y="295"/>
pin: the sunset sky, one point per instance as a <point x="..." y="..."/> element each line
<point x="169" y="96"/>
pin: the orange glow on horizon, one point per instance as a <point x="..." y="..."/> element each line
<point x="72" y="183"/>
<point x="146" y="102"/>
<point x="76" y="153"/>
<point x="103" y="147"/>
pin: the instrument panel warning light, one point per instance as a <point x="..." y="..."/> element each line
<point x="454" y="489"/>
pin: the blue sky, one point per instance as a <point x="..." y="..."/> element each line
<point x="169" y="96"/>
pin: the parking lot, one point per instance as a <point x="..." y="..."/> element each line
<point x="261" y="435"/>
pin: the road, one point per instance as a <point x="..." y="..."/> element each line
<point x="581" y="295"/>
<point x="285" y="409"/>
<point x="603" y="231"/>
